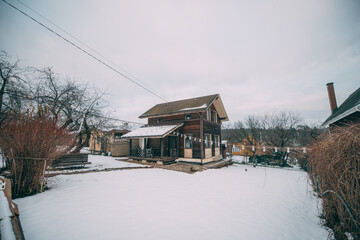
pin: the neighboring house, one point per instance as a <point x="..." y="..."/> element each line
<point x="117" y="146"/>
<point x="110" y="142"/>
<point x="186" y="130"/>
<point x="239" y="149"/>
<point x="347" y="113"/>
<point x="96" y="141"/>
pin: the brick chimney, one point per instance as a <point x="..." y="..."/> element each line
<point x="332" y="98"/>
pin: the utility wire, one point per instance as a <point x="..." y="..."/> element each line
<point x="84" y="51"/>
<point x="72" y="36"/>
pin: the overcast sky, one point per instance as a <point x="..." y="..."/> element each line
<point x="260" y="56"/>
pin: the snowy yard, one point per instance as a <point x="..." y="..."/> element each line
<point x="227" y="203"/>
<point x="99" y="163"/>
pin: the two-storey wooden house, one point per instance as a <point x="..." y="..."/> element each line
<point x="186" y="130"/>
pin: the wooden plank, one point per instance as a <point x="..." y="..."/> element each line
<point x="162" y="148"/>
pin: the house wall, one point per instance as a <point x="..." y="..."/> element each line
<point x="172" y="119"/>
<point x="121" y="148"/>
<point x="95" y="141"/>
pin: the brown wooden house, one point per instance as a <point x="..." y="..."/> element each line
<point x="186" y="130"/>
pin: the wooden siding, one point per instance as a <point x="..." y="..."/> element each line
<point x="121" y="149"/>
<point x="172" y="119"/>
<point x="212" y="128"/>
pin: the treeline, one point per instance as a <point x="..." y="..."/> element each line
<point x="282" y="130"/>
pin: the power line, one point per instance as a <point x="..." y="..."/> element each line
<point x="72" y="36"/>
<point x="84" y="51"/>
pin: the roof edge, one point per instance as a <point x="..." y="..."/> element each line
<point x="344" y="114"/>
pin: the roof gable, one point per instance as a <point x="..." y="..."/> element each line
<point x="186" y="106"/>
<point x="349" y="106"/>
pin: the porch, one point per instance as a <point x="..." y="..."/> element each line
<point x="156" y="144"/>
<point x="153" y="155"/>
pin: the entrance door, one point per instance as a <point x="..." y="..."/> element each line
<point x="173" y="151"/>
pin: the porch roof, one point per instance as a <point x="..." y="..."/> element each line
<point x="152" y="132"/>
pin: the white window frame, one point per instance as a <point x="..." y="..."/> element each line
<point x="188" y="138"/>
<point x="208" y="114"/>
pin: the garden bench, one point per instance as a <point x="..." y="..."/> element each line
<point x="71" y="160"/>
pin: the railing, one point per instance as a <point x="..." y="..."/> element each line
<point x="147" y="153"/>
<point x="153" y="153"/>
<point x="174" y="153"/>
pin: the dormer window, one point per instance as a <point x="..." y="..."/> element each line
<point x="208" y="114"/>
<point x="213" y="116"/>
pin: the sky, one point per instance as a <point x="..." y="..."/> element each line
<point x="260" y="56"/>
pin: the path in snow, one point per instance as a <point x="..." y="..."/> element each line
<point x="228" y="203"/>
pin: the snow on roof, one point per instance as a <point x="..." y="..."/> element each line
<point x="154" y="131"/>
<point x="193" y="108"/>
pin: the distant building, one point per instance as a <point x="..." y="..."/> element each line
<point x="347" y="113"/>
<point x="110" y="142"/>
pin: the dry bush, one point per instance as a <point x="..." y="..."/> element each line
<point x="29" y="144"/>
<point x="334" y="165"/>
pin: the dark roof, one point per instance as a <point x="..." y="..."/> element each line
<point x="183" y="106"/>
<point x="351" y="102"/>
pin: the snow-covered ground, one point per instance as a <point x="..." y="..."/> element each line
<point x="227" y="203"/>
<point x="100" y="163"/>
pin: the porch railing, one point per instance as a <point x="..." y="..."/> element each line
<point x="147" y="153"/>
<point x="153" y="153"/>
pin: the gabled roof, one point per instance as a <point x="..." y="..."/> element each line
<point x="349" y="106"/>
<point x="198" y="104"/>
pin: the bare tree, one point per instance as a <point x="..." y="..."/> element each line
<point x="279" y="131"/>
<point x="12" y="90"/>
<point x="78" y="107"/>
<point x="248" y="130"/>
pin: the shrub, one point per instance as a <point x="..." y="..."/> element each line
<point x="29" y="144"/>
<point x="334" y="164"/>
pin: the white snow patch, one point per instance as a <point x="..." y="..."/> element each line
<point x="193" y="108"/>
<point x="227" y="203"/>
<point x="100" y="163"/>
<point x="150" y="131"/>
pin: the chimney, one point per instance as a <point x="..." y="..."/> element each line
<point x="332" y="98"/>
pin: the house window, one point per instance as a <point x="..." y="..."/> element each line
<point x="213" y="116"/>
<point x="159" y="120"/>
<point x="188" y="116"/>
<point x="207" y="140"/>
<point x="117" y="135"/>
<point x="216" y="140"/>
<point x="188" y="142"/>
<point x="236" y="148"/>
<point x="208" y="114"/>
